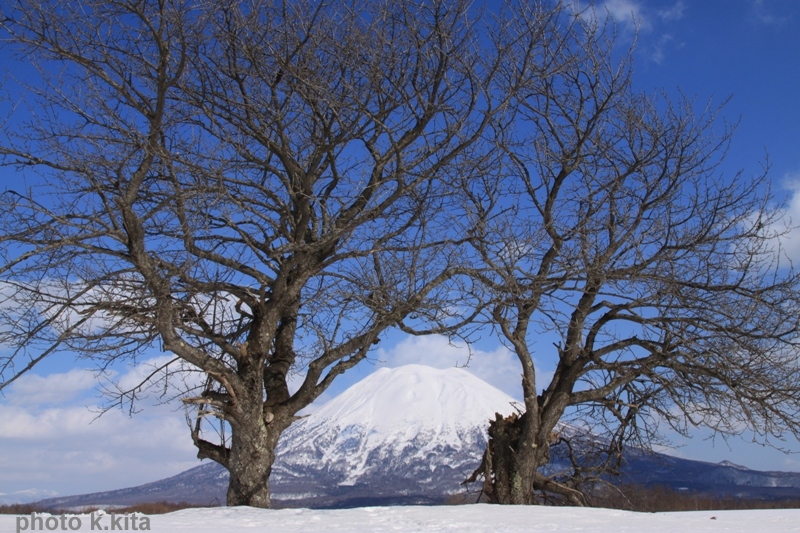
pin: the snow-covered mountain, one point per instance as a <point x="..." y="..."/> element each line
<point x="402" y="415"/>
<point x="402" y="435"/>
<point x="411" y="435"/>
<point x="413" y="430"/>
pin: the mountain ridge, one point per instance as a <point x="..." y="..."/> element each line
<point x="411" y="435"/>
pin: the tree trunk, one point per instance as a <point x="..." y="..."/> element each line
<point x="250" y="461"/>
<point x="249" y="454"/>
<point x="511" y="464"/>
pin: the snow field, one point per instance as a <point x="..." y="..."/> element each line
<point x="468" y="518"/>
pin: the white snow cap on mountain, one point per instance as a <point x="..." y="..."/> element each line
<point x="396" y="418"/>
<point x="414" y="397"/>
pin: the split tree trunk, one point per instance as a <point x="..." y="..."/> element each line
<point x="511" y="463"/>
<point x="508" y="466"/>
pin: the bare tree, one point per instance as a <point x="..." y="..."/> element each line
<point x="259" y="188"/>
<point x="610" y="234"/>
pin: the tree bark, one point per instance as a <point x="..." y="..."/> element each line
<point x="252" y="454"/>
<point x="511" y="464"/>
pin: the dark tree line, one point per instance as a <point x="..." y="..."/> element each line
<point x="263" y="189"/>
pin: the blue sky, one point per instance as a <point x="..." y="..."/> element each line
<point x="749" y="50"/>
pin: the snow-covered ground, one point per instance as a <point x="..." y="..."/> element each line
<point x="471" y="518"/>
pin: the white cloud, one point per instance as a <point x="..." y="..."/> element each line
<point x="766" y="15"/>
<point x="674" y="12"/>
<point x="53" y="440"/>
<point x="32" y="389"/>
<point x="635" y="16"/>
<point x="159" y="379"/>
<point x="498" y="367"/>
<point x="628" y="14"/>
<point x="658" y="53"/>
<point x="70" y="450"/>
<point x="784" y="228"/>
<point x="29" y="423"/>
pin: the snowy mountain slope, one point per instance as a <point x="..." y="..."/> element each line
<point x="411" y="435"/>
<point x="408" y="430"/>
<point x="206" y="484"/>
<point x="403" y="435"/>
